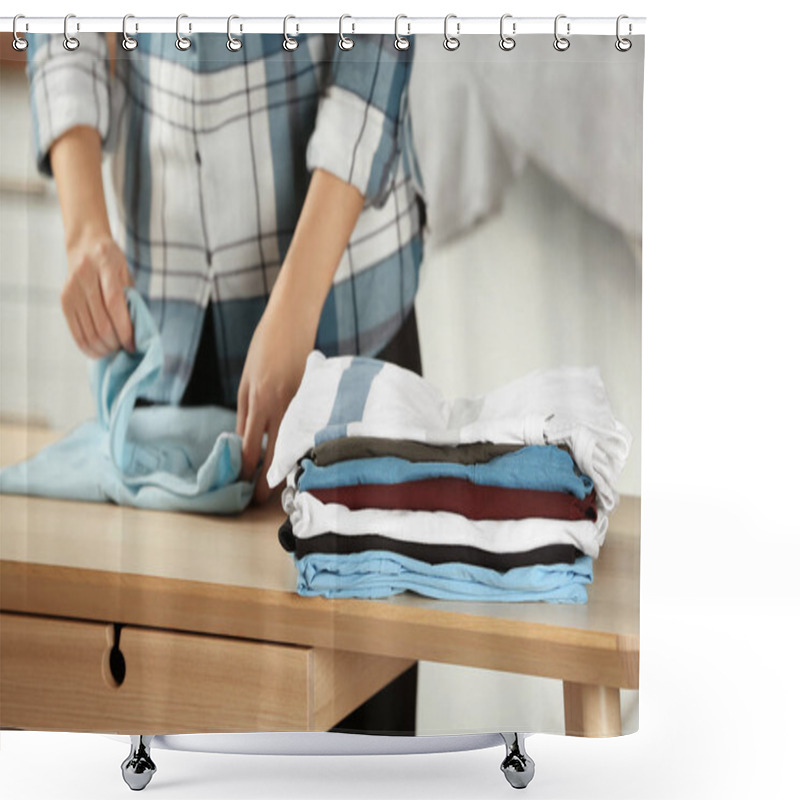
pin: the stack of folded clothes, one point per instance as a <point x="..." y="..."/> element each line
<point x="391" y="488"/>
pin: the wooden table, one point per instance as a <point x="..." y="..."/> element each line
<point x="214" y="636"/>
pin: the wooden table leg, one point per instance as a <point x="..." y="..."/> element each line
<point x="591" y="710"/>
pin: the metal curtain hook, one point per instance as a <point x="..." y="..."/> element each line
<point x="70" y="42"/>
<point x="623" y="45"/>
<point x="451" y="43"/>
<point x="233" y="44"/>
<point x="507" y="42"/>
<point x="182" y="42"/>
<point x="289" y="44"/>
<point x="128" y="42"/>
<point x="18" y="44"/>
<point x="345" y="43"/>
<point x="400" y="42"/>
<point x="561" y="43"/>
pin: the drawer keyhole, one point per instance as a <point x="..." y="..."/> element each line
<point x="116" y="661"/>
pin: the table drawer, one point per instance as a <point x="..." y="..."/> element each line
<point x="59" y="674"/>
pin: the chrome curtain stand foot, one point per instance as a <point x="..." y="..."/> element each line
<point x="138" y="768"/>
<point x="517" y="766"/>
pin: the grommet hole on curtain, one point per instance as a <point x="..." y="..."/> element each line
<point x="114" y="660"/>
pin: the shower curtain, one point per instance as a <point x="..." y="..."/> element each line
<point x="320" y="383"/>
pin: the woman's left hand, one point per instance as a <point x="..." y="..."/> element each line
<point x="287" y="330"/>
<point x="271" y="376"/>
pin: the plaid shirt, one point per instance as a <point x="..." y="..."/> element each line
<point x="212" y="153"/>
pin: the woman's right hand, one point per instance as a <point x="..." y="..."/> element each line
<point x="93" y="297"/>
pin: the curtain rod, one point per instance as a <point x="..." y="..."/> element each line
<point x="461" y="26"/>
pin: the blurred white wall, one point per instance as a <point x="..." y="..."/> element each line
<point x="542" y="283"/>
<point x="43" y="375"/>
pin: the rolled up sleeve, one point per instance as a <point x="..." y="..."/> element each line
<point x="360" y="119"/>
<point x="67" y="89"/>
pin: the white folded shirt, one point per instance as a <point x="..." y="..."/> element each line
<point x="356" y="396"/>
<point x="310" y="517"/>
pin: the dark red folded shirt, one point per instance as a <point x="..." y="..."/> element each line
<point x="462" y="497"/>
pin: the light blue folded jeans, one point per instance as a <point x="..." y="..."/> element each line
<point x="379" y="573"/>
<point x="161" y="457"/>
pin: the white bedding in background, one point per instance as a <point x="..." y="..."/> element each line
<point x="476" y="124"/>
<point x="466" y="169"/>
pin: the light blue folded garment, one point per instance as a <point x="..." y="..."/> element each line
<point x="379" y="573"/>
<point x="543" y="467"/>
<point x="162" y="457"/>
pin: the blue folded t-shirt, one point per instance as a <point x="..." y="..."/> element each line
<point x="161" y="457"/>
<point x="545" y="468"/>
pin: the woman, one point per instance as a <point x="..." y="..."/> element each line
<point x="267" y="204"/>
<point x="239" y="178"/>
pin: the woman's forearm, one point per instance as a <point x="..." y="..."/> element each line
<point x="327" y="220"/>
<point x="92" y="298"/>
<point x="76" y="159"/>
<point x="285" y="334"/>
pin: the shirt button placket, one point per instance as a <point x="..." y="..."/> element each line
<point x="199" y="161"/>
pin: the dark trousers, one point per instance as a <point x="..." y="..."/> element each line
<point x="390" y="712"/>
<point x="205" y="387"/>
<point x="393" y="710"/>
